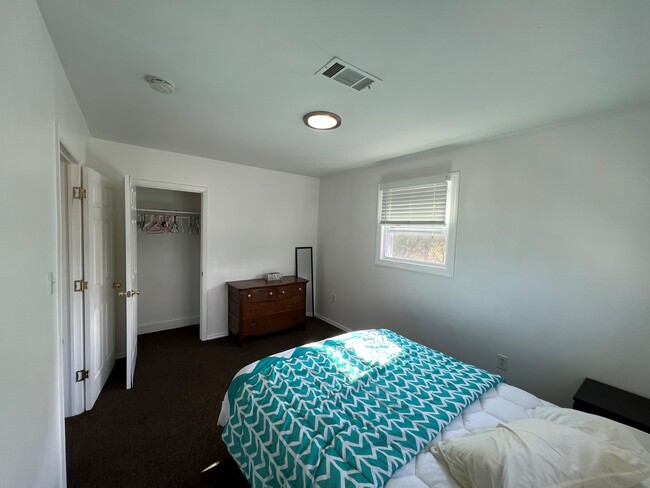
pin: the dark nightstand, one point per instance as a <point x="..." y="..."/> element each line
<point x="607" y="401"/>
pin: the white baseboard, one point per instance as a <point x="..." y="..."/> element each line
<point x="120" y="355"/>
<point x="217" y="335"/>
<point x="335" y="324"/>
<point x="166" y="325"/>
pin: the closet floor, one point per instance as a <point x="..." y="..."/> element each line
<point x="164" y="431"/>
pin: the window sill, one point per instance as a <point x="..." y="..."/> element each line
<point x="447" y="272"/>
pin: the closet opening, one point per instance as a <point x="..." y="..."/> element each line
<point x="169" y="265"/>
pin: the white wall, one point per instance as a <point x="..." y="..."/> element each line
<point x="552" y="263"/>
<point x="35" y="97"/>
<point x="255" y="217"/>
<point x="168" y="266"/>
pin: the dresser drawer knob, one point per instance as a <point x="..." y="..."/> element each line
<point x="283" y="292"/>
<point x="299" y="289"/>
<point x="249" y="295"/>
<point x="270" y="293"/>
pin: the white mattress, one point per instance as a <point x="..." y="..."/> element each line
<point x="503" y="403"/>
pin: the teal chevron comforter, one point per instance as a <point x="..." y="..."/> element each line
<point x="348" y="412"/>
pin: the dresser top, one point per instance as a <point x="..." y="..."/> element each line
<point x="260" y="283"/>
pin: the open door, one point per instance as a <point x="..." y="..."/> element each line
<point x="97" y="285"/>
<point x="131" y="286"/>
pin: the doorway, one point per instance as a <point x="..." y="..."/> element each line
<point x="178" y="209"/>
<point x="169" y="259"/>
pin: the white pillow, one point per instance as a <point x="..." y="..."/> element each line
<point x="560" y="448"/>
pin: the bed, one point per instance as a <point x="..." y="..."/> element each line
<point x="372" y="408"/>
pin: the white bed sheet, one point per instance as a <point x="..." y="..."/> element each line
<point x="503" y="403"/>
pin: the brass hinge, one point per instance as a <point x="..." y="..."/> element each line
<point x="78" y="192"/>
<point x="82" y="374"/>
<point x="80" y="285"/>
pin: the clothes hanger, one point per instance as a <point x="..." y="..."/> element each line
<point x="155" y="226"/>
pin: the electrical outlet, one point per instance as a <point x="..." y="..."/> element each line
<point x="333" y="297"/>
<point x="502" y="362"/>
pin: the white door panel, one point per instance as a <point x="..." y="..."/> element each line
<point x="131" y="285"/>
<point x="99" y="298"/>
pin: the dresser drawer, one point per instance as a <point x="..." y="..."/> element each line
<point x="291" y="290"/>
<point x="259" y="294"/>
<point x="272" y="323"/>
<point x="257" y="309"/>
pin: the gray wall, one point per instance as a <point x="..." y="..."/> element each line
<point x="254" y="218"/>
<point x="37" y="105"/>
<point x="552" y="265"/>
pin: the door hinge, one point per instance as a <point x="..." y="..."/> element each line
<point x="82" y="374"/>
<point x="78" y="192"/>
<point x="80" y="285"/>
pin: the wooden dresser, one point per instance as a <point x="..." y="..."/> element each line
<point x="257" y="307"/>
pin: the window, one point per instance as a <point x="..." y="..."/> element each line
<point x="416" y="227"/>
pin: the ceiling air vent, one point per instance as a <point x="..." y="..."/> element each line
<point x="348" y="75"/>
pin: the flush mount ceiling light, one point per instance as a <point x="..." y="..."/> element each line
<point x="322" y="120"/>
<point x="160" y="85"/>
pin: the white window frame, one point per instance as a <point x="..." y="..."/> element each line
<point x="451" y="220"/>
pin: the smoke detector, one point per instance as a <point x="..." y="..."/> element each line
<point x="159" y="84"/>
<point x="354" y="78"/>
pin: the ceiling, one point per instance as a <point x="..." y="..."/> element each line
<point x="453" y="72"/>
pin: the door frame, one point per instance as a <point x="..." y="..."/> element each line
<point x="203" y="191"/>
<point x="70" y="255"/>
<point x="58" y="148"/>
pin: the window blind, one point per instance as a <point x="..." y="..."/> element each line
<point x="419" y="204"/>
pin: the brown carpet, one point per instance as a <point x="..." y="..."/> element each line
<point x="163" y="432"/>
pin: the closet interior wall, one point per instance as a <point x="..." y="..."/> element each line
<point x="169" y="272"/>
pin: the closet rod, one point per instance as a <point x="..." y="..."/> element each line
<point x="166" y="212"/>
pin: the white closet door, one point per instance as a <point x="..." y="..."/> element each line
<point x="131" y="285"/>
<point x="99" y="306"/>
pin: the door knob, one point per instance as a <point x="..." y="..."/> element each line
<point x="126" y="294"/>
<point x="117" y="285"/>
